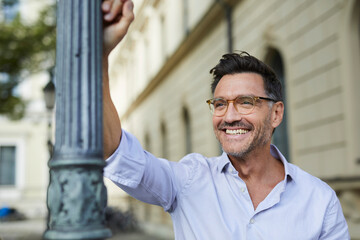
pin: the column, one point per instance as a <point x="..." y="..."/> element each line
<point x="77" y="195"/>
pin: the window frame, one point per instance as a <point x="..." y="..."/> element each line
<point x="272" y="54"/>
<point x="350" y="44"/>
<point x="10" y="192"/>
<point x="2" y="148"/>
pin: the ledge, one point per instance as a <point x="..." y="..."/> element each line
<point x="344" y="183"/>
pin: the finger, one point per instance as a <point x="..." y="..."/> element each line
<point x="128" y="9"/>
<point x="126" y="18"/>
<point x="106" y="6"/>
<point x="114" y="11"/>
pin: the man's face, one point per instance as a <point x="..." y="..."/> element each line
<point x="241" y="134"/>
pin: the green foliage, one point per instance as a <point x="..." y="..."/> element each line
<point x="24" y="49"/>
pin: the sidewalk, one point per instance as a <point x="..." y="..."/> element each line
<point x="34" y="229"/>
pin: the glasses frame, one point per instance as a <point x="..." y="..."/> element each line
<point x="210" y="102"/>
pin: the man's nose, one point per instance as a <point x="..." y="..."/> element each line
<point x="232" y="114"/>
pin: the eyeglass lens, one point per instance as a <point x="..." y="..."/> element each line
<point x="244" y="105"/>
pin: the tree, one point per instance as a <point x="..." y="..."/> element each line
<point x="24" y="49"/>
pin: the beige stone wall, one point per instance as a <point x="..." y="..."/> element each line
<point x="28" y="195"/>
<point x="307" y="34"/>
<point x="319" y="44"/>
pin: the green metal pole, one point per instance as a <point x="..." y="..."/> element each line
<point x="77" y="196"/>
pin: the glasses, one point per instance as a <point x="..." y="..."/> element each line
<point x="243" y="104"/>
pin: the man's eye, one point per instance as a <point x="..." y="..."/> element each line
<point x="245" y="101"/>
<point x="219" y="104"/>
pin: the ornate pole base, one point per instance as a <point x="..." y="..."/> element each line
<point x="76" y="199"/>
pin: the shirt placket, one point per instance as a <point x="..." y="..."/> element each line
<point x="242" y="193"/>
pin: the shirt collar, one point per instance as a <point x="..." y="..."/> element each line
<point x="224" y="162"/>
<point x="289" y="169"/>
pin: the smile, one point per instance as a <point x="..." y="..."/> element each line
<point x="236" y="131"/>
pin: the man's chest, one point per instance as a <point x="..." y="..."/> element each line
<point x="226" y="207"/>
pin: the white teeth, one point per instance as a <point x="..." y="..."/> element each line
<point x="237" y="131"/>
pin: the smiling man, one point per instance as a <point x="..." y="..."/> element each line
<point x="244" y="118"/>
<point x="250" y="191"/>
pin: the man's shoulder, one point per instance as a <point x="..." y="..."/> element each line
<point x="200" y="158"/>
<point x="200" y="161"/>
<point x="310" y="183"/>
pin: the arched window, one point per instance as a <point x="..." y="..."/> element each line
<point x="280" y="137"/>
<point x="163" y="40"/>
<point x="164" y="141"/>
<point x="147" y="207"/>
<point x="147" y="142"/>
<point x="354" y="85"/>
<point x="358" y="89"/>
<point x="187" y="131"/>
<point x="185" y="5"/>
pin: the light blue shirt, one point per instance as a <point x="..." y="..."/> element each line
<point x="208" y="200"/>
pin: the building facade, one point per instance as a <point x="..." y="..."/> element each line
<point x="24" y="154"/>
<point x="160" y="80"/>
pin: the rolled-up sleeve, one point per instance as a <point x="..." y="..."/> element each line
<point x="126" y="165"/>
<point x="145" y="177"/>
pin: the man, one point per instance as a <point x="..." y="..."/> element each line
<point x="250" y="191"/>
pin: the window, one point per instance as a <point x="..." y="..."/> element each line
<point x="163" y="37"/>
<point x="280" y="137"/>
<point x="10" y="9"/>
<point x="186" y="16"/>
<point x="187" y="131"/>
<point x="352" y="81"/>
<point x="147" y="142"/>
<point x="7" y="165"/>
<point x="147" y="207"/>
<point x="358" y="54"/>
<point x="164" y="141"/>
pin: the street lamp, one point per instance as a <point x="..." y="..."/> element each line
<point x="49" y="91"/>
<point x="49" y="97"/>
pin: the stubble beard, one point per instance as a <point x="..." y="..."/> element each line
<point x="261" y="137"/>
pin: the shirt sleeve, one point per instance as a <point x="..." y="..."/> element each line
<point x="335" y="226"/>
<point x="145" y="177"/>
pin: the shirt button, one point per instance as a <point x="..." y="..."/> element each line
<point x="242" y="189"/>
<point x="252" y="221"/>
<point x="233" y="172"/>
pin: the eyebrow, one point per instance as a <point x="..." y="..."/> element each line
<point x="241" y="95"/>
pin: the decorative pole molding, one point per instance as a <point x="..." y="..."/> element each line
<point x="77" y="196"/>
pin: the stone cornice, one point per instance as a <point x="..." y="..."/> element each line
<point x="212" y="18"/>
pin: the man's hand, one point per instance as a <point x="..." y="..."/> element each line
<point x="118" y="15"/>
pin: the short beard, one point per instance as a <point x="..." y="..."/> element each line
<point x="262" y="138"/>
<point x="241" y="154"/>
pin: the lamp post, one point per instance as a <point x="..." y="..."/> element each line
<point x="77" y="195"/>
<point x="49" y="97"/>
<point x="49" y="91"/>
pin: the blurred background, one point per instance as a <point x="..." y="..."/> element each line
<point x="27" y="51"/>
<point x="160" y="80"/>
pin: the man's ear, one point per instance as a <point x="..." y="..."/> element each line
<point x="277" y="114"/>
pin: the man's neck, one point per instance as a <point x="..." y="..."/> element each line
<point x="260" y="171"/>
<point x="259" y="166"/>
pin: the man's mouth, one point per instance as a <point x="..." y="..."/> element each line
<point x="236" y="131"/>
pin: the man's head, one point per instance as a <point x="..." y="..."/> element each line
<point x="247" y="104"/>
<point x="243" y="62"/>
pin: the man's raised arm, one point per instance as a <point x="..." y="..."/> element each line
<point x="117" y="15"/>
